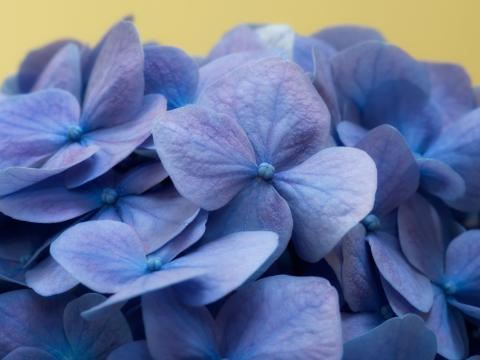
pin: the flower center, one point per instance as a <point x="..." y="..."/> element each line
<point x="372" y="223"/>
<point x="154" y="264"/>
<point x="75" y="133"/>
<point x="109" y="196"/>
<point x="266" y="171"/>
<point x="449" y="287"/>
<point x="386" y="312"/>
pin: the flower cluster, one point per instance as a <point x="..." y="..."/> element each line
<point x="284" y="197"/>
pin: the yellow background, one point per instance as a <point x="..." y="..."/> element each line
<point x="440" y="30"/>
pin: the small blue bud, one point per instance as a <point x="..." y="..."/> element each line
<point x="372" y="223"/>
<point x="109" y="196"/>
<point x="266" y="171"/>
<point x="154" y="264"/>
<point x="75" y="133"/>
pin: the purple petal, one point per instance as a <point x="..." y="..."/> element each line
<point x="204" y="153"/>
<point x="136" y="350"/>
<point x="257" y="207"/>
<point x="189" y="236"/>
<point x="458" y="146"/>
<point x="171" y="72"/>
<point x="350" y="133"/>
<point x="142" y="178"/>
<point x="48" y="278"/>
<point x="395" y="269"/>
<point x="103" y="255"/>
<point x="143" y="285"/>
<point x="342" y="37"/>
<point x="29" y="353"/>
<point x="328" y="194"/>
<point x="117" y="142"/>
<point x="63" y="72"/>
<point x="359" y="281"/>
<point x="35" y="62"/>
<point x="177" y="331"/>
<point x="115" y="90"/>
<point x="48" y="203"/>
<point x="441" y="180"/>
<point x="398" y="175"/>
<point x="398" y="338"/>
<point x="240" y="38"/>
<point x="96" y="338"/>
<point x="323" y="79"/>
<point x="157" y="217"/>
<point x="451" y="90"/>
<point x="287" y="124"/>
<point x="25" y="316"/>
<point x="227" y="263"/>
<point x="357" y="324"/>
<point x="462" y="266"/>
<point x="449" y="327"/>
<point x="420" y="236"/>
<point x="278" y="307"/>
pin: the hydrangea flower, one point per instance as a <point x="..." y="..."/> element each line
<point x="378" y="83"/>
<point x="35" y="327"/>
<point x="256" y="322"/>
<point x="446" y="270"/>
<point x="267" y="160"/>
<point x="46" y="132"/>
<point x="108" y="257"/>
<point x="398" y="179"/>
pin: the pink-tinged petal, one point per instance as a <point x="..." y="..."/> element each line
<point x="48" y="203"/>
<point x="398" y="175"/>
<point x="344" y="36"/>
<point x="115" y="90"/>
<point x="171" y="72"/>
<point x="177" y="331"/>
<point x="35" y="126"/>
<point x="213" y="71"/>
<point x="48" y="278"/>
<point x="462" y="267"/>
<point x="257" y="207"/>
<point x="142" y="178"/>
<point x="401" y="338"/>
<point x="287" y="124"/>
<point x="449" y="327"/>
<point x="29" y="353"/>
<point x="350" y="133"/>
<point x="117" y="142"/>
<point x="282" y="317"/>
<point x="25" y="316"/>
<point x="145" y="284"/>
<point x="63" y="71"/>
<point x="157" y="217"/>
<point x="136" y="350"/>
<point x="204" y="153"/>
<point x="451" y="90"/>
<point x="189" y="236"/>
<point x="243" y="252"/>
<point x="358" y="324"/>
<point x="395" y="269"/>
<point x="459" y="147"/>
<point x="240" y="38"/>
<point x="328" y="194"/>
<point x="103" y="255"/>
<point x="420" y="235"/>
<point x="440" y="179"/>
<point x="359" y="281"/>
<point x="94" y="339"/>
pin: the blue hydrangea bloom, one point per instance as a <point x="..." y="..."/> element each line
<point x="34" y="327"/>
